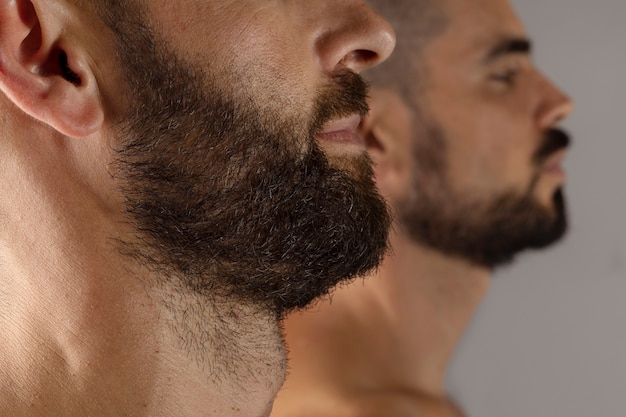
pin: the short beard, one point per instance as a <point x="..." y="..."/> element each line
<point x="235" y="199"/>
<point x="485" y="232"/>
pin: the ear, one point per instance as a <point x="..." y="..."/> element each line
<point x="387" y="133"/>
<point x="42" y="72"/>
<point x="370" y="130"/>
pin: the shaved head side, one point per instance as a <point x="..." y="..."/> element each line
<point x="416" y="23"/>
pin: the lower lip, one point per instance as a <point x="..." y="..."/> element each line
<point x="555" y="171"/>
<point x="342" y="137"/>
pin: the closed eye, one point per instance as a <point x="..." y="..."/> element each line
<point x="507" y="76"/>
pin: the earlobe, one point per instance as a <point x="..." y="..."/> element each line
<point x="43" y="73"/>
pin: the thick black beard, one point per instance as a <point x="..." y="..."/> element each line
<point x="484" y="232"/>
<point x="237" y="199"/>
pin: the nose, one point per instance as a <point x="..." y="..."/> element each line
<point x="353" y="36"/>
<point x="555" y="106"/>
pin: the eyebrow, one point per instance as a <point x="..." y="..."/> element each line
<point x="509" y="46"/>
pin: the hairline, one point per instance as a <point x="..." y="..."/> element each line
<point x="417" y="23"/>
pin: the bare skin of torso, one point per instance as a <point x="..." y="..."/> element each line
<point x="380" y="347"/>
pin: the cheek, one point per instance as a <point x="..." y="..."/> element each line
<point x="496" y="152"/>
<point x="275" y="66"/>
<point x="258" y="40"/>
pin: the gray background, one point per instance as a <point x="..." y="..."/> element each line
<point x="549" y="339"/>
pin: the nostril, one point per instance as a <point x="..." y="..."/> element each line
<point x="360" y="58"/>
<point x="355" y="38"/>
<point x="364" y="55"/>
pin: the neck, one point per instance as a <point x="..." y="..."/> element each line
<point x="399" y="328"/>
<point x="87" y="331"/>
<point x="427" y="299"/>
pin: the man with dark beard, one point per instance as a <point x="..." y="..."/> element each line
<point x="176" y="176"/>
<point x="462" y="132"/>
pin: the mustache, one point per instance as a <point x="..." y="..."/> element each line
<point x="554" y="140"/>
<point x="345" y="94"/>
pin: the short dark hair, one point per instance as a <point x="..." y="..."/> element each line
<point x="416" y="23"/>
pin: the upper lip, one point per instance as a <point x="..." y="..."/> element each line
<point x="556" y="159"/>
<point x="350" y="123"/>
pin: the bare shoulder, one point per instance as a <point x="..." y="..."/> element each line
<point x="376" y="405"/>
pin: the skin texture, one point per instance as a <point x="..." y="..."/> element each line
<point x="213" y="207"/>
<point x="381" y="347"/>
<point x="95" y="321"/>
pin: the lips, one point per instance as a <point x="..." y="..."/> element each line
<point x="554" y="164"/>
<point x="342" y="131"/>
<point x="549" y="157"/>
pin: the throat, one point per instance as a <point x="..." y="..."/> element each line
<point x="235" y="349"/>
<point x="124" y="349"/>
